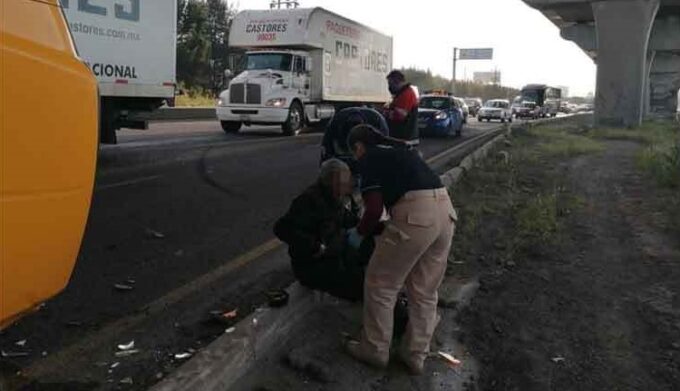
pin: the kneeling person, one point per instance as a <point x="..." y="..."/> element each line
<point x="315" y="229"/>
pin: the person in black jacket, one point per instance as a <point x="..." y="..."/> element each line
<point x="315" y="229"/>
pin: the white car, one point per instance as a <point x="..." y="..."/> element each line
<point x="495" y="109"/>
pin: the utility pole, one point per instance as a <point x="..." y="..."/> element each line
<point x="453" y="79"/>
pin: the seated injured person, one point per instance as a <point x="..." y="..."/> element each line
<point x="316" y="230"/>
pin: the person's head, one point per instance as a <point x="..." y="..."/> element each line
<point x="362" y="137"/>
<point x="336" y="176"/>
<point x="395" y="81"/>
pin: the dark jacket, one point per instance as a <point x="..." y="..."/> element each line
<point x="315" y="217"/>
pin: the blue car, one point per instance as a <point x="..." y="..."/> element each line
<point x="440" y="115"/>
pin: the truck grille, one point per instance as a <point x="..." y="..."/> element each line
<point x="254" y="96"/>
<point x="236" y="93"/>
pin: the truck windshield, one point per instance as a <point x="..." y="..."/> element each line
<point x="273" y="61"/>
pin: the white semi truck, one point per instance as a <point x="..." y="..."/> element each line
<point x="301" y="66"/>
<point x="131" y="47"/>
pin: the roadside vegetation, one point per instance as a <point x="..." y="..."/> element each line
<point x="572" y="232"/>
<point x="194" y="97"/>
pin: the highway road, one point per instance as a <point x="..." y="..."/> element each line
<point x="180" y="226"/>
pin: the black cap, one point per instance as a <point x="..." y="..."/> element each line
<point x="396" y="75"/>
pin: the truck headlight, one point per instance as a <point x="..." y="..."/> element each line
<point x="277" y="102"/>
<point x="441" y="115"/>
<point x="221" y="102"/>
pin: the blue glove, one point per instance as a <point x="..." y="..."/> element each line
<point x="354" y="239"/>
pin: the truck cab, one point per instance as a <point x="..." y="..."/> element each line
<point x="273" y="89"/>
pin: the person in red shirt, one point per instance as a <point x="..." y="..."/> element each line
<point x="402" y="113"/>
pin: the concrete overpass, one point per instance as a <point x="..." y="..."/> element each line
<point x="636" y="44"/>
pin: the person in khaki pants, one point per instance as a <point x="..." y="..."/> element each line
<point x="411" y="248"/>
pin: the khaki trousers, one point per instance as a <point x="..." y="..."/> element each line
<point x="412" y="251"/>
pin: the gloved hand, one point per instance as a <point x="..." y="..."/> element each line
<point x="354" y="239"/>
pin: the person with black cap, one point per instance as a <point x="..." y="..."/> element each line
<point x="402" y="112"/>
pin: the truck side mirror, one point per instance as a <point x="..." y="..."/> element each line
<point x="228" y="73"/>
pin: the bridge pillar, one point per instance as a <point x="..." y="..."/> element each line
<point x="623" y="31"/>
<point x="664" y="84"/>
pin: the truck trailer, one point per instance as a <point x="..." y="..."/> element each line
<point x="131" y="47"/>
<point x="301" y="66"/>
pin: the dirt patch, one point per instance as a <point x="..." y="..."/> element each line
<point x="579" y="266"/>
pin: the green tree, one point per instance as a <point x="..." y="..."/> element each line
<point x="425" y="81"/>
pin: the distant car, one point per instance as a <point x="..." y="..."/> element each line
<point x="528" y="110"/>
<point x="439" y="115"/>
<point x="465" y="108"/>
<point x="474" y="104"/>
<point x="495" y="109"/>
<point x="516" y="104"/>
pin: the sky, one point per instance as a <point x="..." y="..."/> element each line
<point x="527" y="46"/>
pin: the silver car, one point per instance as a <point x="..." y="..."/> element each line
<point x="495" y="109"/>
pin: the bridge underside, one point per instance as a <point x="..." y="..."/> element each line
<point x="636" y="45"/>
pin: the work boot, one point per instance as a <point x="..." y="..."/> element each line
<point x="355" y="349"/>
<point x="414" y="362"/>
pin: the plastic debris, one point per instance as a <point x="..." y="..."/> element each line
<point x="182" y="356"/>
<point x="127" y="380"/>
<point x="5" y="354"/>
<point x="21" y="343"/>
<point x="114" y="365"/>
<point x="127" y="353"/>
<point x="130" y="281"/>
<point x="557" y="359"/>
<point x="128" y="346"/>
<point x="44" y="354"/>
<point x="230" y="330"/>
<point x="450" y="360"/>
<point x="123" y="287"/>
<point x="154" y="234"/>
<point x="231" y="314"/>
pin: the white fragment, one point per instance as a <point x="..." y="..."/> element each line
<point x="182" y="356"/>
<point x="557" y="359"/>
<point x="127" y="353"/>
<point x="230" y="330"/>
<point x="128" y="346"/>
<point x="21" y="343"/>
<point x="450" y="360"/>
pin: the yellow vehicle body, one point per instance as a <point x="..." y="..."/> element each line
<point x="48" y="151"/>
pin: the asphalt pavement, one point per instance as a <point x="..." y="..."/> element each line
<point x="179" y="213"/>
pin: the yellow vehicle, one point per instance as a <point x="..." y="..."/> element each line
<point x="48" y="150"/>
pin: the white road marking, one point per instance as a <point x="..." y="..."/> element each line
<point x="127" y="183"/>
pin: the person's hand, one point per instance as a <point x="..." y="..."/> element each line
<point x="354" y="239"/>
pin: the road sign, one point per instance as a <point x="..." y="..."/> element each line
<point x="475" y="54"/>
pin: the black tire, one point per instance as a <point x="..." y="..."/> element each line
<point x="503" y="120"/>
<point x="510" y="119"/>
<point x="295" y="120"/>
<point x="480" y="119"/>
<point x="231" y="126"/>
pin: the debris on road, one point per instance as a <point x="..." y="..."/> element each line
<point x="127" y="353"/>
<point x="127" y="381"/>
<point x="128" y="346"/>
<point x="230" y="330"/>
<point x="154" y="234"/>
<point x="277" y="298"/>
<point x="557" y="359"/>
<point x="231" y="314"/>
<point x="450" y="360"/>
<point x="123" y="287"/>
<point x="114" y="365"/>
<point x="21" y="343"/>
<point x="182" y="356"/>
<point x="5" y="354"/>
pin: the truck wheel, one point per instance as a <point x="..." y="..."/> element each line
<point x="295" y="120"/>
<point x="230" y="126"/>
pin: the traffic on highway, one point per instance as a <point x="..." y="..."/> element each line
<point x="131" y="245"/>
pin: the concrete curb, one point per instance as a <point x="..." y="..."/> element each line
<point x="227" y="359"/>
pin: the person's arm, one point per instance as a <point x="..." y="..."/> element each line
<point x="298" y="228"/>
<point x="402" y="106"/>
<point x="373" y="210"/>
